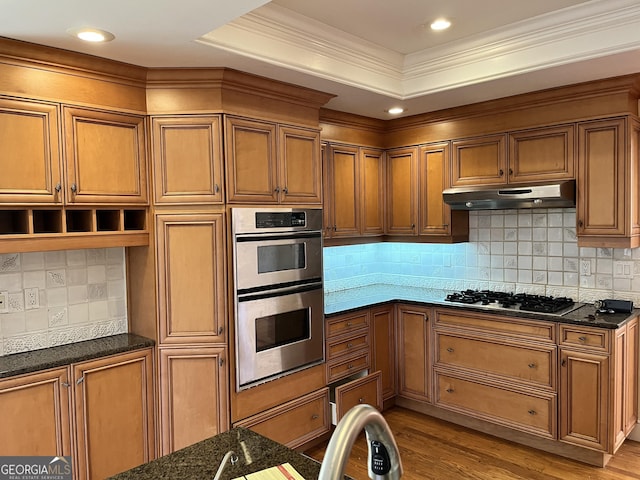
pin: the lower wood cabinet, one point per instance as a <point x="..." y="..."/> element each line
<point x="100" y="412"/>
<point x="364" y="390"/>
<point x="413" y="353"/>
<point x="193" y="395"/>
<point x="383" y="328"/>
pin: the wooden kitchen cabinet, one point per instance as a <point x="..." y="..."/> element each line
<point x="383" y="328"/>
<point x="354" y="191"/>
<point x="479" y="161"/>
<point x="105" y="157"/>
<point x="35" y="412"/>
<point x="191" y="271"/>
<point x="347" y="344"/>
<point x="187" y="140"/>
<point x="608" y="182"/>
<point x="193" y="395"/>
<point x="414" y="375"/>
<point x="114" y="412"/>
<point x="30" y="151"/>
<point x="402" y="191"/>
<point x="272" y="163"/>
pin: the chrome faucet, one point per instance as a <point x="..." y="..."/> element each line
<point x="383" y="459"/>
<point x="230" y="457"/>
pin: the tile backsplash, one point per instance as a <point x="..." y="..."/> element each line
<point x="533" y="251"/>
<point x="61" y="297"/>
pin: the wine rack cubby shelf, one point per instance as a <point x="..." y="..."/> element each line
<point x="40" y="229"/>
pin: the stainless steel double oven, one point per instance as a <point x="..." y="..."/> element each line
<point x="278" y="295"/>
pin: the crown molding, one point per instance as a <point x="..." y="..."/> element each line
<point x="287" y="39"/>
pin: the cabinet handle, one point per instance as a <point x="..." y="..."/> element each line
<point x="580" y="224"/>
<point x="361" y="400"/>
<point x="74" y="188"/>
<point x="350" y="366"/>
<point x="65" y="384"/>
<point x="315" y="416"/>
<point x="221" y="361"/>
<point x="216" y="188"/>
<point x="58" y="187"/>
<point x="220" y="330"/>
<point x="349" y="345"/>
<point x="285" y="190"/>
<point x="582" y="339"/>
<point x="511" y="171"/>
<point x="563" y="363"/>
<point x="277" y="189"/>
<point x="532" y="412"/>
<point x="449" y="390"/>
<point x="80" y="380"/>
<point x="450" y="350"/>
<point x="413" y="226"/>
<point x="335" y="227"/>
<point x="532" y="365"/>
<point x="501" y="172"/>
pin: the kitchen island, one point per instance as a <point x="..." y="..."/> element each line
<point x="201" y="460"/>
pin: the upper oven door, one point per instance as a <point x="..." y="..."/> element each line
<point x="265" y="260"/>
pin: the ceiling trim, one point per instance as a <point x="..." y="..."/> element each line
<point x="281" y="37"/>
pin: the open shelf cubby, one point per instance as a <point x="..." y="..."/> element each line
<point x="47" y="221"/>
<point x="14" y="222"/>
<point x="79" y="221"/>
<point x="135" y="219"/>
<point x="107" y="220"/>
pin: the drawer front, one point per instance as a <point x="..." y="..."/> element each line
<point x="338" y="348"/>
<point x="496" y="324"/>
<point x="348" y="366"/>
<point x="344" y="324"/>
<point x="589" y="338"/>
<point x="295" y="422"/>
<point x="525" y="363"/>
<point x="365" y="390"/>
<point x="524" y="410"/>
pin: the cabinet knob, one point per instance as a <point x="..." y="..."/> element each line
<point x="58" y="187"/>
<point x="216" y="188"/>
<point x="563" y="363"/>
<point x="220" y="330"/>
<point x="361" y="400"/>
<point x="532" y="365"/>
<point x="349" y="345"/>
<point x="350" y="366"/>
<point x="511" y="171"/>
<point x="277" y="189"/>
<point x="80" y="380"/>
<point x="221" y="361"/>
<point x="349" y="324"/>
<point x="532" y="412"/>
<point x="413" y="226"/>
<point x="74" y="188"/>
<point x="449" y="390"/>
<point x="501" y="172"/>
<point x="65" y="384"/>
<point x="285" y="190"/>
<point x="582" y="339"/>
<point x="580" y="224"/>
<point x="450" y="350"/>
<point x="335" y="227"/>
<point x="315" y="416"/>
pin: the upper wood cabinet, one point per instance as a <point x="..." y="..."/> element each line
<point x="187" y="159"/>
<point x="536" y="155"/>
<point x="31" y="171"/>
<point x="105" y="157"/>
<point x="354" y="191"/>
<point x="608" y="181"/>
<point x="191" y="278"/>
<point x="402" y="191"/>
<point x="271" y="163"/>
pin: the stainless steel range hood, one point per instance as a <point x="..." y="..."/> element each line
<point x="560" y="194"/>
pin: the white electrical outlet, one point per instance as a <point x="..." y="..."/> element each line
<point x="622" y="269"/>
<point x="31" y="298"/>
<point x="585" y="268"/>
<point x="4" y="302"/>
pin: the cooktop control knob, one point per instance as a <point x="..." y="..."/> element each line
<point x="380" y="462"/>
<point x="469" y="204"/>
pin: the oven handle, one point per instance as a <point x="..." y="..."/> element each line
<point x="279" y="292"/>
<point x="275" y="236"/>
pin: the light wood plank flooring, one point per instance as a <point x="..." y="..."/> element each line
<point x="438" y="450"/>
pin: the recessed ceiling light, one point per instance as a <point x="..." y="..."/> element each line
<point x="395" y="110"/>
<point x="440" y="24"/>
<point x="94" y="35"/>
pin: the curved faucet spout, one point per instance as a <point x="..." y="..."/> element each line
<point x="385" y="465"/>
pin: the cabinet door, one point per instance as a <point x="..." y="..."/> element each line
<point x="105" y="157"/>
<point x="630" y="389"/>
<point x="543" y="154"/>
<point x="372" y="183"/>
<point x="479" y="161"/>
<point x="584" y="399"/>
<point x="187" y="159"/>
<point x="191" y="278"/>
<point x="433" y="167"/>
<point x="193" y="396"/>
<point x="402" y="188"/>
<point x="344" y="200"/>
<point x="601" y="178"/>
<point x="114" y="414"/>
<point x="251" y="169"/>
<point x="413" y="353"/>
<point x="35" y="414"/>
<point x="300" y="166"/>
<point x="30" y="152"/>
<point x="384" y="348"/>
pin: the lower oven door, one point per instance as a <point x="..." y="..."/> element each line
<point x="278" y="332"/>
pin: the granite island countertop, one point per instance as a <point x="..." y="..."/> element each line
<point x="343" y="301"/>
<point x="201" y="460"/>
<point x="38" y="360"/>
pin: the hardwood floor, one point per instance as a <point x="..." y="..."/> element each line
<point x="438" y="450"/>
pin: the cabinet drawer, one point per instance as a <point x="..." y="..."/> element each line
<point x="347" y="323"/>
<point x="346" y="346"/>
<point x="348" y="366"/>
<point x="293" y="423"/>
<point x="523" y="363"/>
<point x="366" y="390"/>
<point x="526" y="410"/>
<point x="497" y="325"/>
<point x="589" y="338"/>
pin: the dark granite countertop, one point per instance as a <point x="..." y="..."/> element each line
<point x="37" y="360"/>
<point x="343" y="301"/>
<point x="201" y="460"/>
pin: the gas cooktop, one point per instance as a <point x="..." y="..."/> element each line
<point x="515" y="301"/>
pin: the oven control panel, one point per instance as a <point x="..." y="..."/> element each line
<point x="280" y="219"/>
